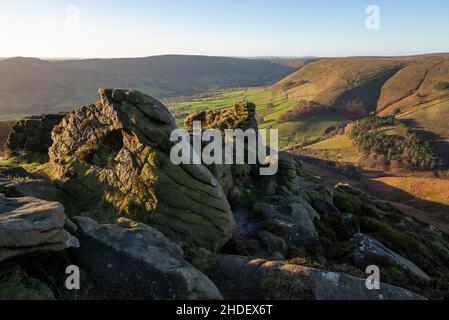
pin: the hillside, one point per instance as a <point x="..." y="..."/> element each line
<point x="326" y="93"/>
<point x="271" y="105"/>
<point x="414" y="88"/>
<point x="371" y="83"/>
<point x="296" y="63"/>
<point x="349" y="85"/>
<point x="33" y="86"/>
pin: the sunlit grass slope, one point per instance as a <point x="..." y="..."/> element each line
<point x="271" y="104"/>
<point x="434" y="190"/>
<point x="339" y="148"/>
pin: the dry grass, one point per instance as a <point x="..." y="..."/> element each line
<point x="413" y="88"/>
<point x="435" y="190"/>
<point x="339" y="148"/>
<point x="340" y="81"/>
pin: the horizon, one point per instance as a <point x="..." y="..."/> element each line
<point x="223" y="56"/>
<point x="83" y="30"/>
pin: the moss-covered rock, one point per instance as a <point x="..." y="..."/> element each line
<point x="421" y="244"/>
<point x="116" y="153"/>
<point x="349" y="203"/>
<point x="248" y="278"/>
<point x="241" y="116"/>
<point x="129" y="260"/>
<point x="280" y="285"/>
<point x="367" y="251"/>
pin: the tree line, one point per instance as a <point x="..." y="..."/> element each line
<point x="407" y="148"/>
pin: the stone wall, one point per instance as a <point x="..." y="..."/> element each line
<point x="32" y="134"/>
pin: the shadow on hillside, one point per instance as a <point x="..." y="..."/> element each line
<point x="427" y="211"/>
<point x="440" y="145"/>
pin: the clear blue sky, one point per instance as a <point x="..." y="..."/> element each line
<point x="221" y="27"/>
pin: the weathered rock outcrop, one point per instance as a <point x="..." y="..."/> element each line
<point x="117" y="153"/>
<point x="241" y="116"/>
<point x="288" y="170"/>
<point x="32" y="134"/>
<point x="276" y="229"/>
<point x="16" y="182"/>
<point x="368" y="251"/>
<point x="134" y="261"/>
<point x="292" y="220"/>
<point x="245" y="278"/>
<point x="28" y="225"/>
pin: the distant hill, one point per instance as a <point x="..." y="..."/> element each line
<point x="371" y="84"/>
<point x="34" y="86"/>
<point x="326" y="92"/>
<point x="414" y="88"/>
<point x="296" y="63"/>
<point x="346" y="84"/>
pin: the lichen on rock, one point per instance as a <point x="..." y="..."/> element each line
<point x="116" y="153"/>
<point x="241" y="116"/>
<point x="247" y="278"/>
<point x="130" y="260"/>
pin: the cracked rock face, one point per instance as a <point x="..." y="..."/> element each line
<point x="117" y="153"/>
<point x="33" y="134"/>
<point x="28" y="225"/>
<point x="130" y="260"/>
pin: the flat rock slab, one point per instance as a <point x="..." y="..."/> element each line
<point x="135" y="261"/>
<point x="29" y="224"/>
<point x="368" y="251"/>
<point x="26" y="186"/>
<point x="245" y="278"/>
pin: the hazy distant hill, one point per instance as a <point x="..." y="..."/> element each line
<point x="296" y="63"/>
<point x="33" y="86"/>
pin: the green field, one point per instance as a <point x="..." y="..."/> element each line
<point x="339" y="148"/>
<point x="271" y="104"/>
<point x="266" y="99"/>
<point x="308" y="128"/>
